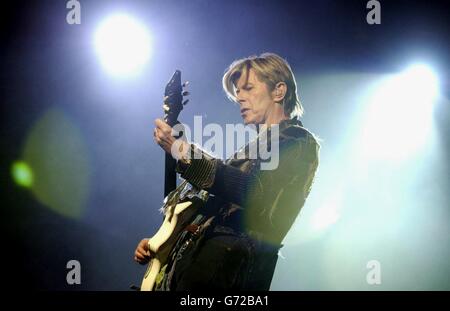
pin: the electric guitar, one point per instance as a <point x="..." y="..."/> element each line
<point x="181" y="203"/>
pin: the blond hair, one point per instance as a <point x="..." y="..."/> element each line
<point x="270" y="69"/>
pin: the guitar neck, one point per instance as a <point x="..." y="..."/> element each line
<point x="173" y="104"/>
<point x="170" y="176"/>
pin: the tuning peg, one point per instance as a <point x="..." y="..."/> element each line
<point x="185" y="93"/>
<point x="185" y="83"/>
<point x="165" y="99"/>
<point x="185" y="102"/>
<point x="166" y="107"/>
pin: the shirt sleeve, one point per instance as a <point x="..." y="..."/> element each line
<point x="271" y="199"/>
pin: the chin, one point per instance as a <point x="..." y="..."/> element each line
<point x="247" y="122"/>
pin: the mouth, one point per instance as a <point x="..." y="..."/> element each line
<point x="244" y="110"/>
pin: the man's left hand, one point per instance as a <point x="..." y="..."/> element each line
<point x="162" y="135"/>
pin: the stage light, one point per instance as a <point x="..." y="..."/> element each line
<point x="122" y="45"/>
<point x="399" y="116"/>
<point x="328" y="212"/>
<point x="324" y="217"/>
<point x="422" y="82"/>
<point x="22" y="174"/>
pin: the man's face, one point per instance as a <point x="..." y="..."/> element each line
<point x="254" y="98"/>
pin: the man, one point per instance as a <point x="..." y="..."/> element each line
<point x="250" y="210"/>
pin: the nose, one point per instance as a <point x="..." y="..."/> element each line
<point x="240" y="99"/>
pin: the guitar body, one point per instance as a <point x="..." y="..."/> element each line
<point x="175" y="220"/>
<point x="181" y="207"/>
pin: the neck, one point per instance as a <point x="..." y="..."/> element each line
<point x="274" y="116"/>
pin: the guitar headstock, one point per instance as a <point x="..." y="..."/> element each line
<point x="173" y="98"/>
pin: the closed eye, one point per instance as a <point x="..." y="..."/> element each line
<point x="245" y="88"/>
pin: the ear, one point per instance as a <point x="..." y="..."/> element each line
<point x="279" y="92"/>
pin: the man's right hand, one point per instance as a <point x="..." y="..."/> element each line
<point x="142" y="254"/>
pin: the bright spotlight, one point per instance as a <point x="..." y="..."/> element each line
<point x="325" y="216"/>
<point x="422" y="82"/>
<point x="122" y="44"/>
<point x="400" y="113"/>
